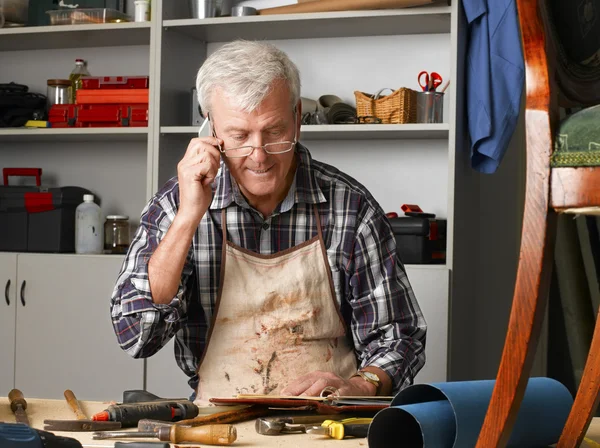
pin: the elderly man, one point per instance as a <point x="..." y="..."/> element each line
<point x="277" y="274"/>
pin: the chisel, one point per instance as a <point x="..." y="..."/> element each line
<point x="209" y="434"/>
<point x="18" y="406"/>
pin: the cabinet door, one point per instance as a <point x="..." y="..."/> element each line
<point x="431" y="286"/>
<point x="65" y="338"/>
<point x="8" y="309"/>
<point x="164" y="377"/>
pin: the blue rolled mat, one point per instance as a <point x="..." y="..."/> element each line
<point x="441" y="415"/>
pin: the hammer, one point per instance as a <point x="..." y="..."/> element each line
<point x="290" y="425"/>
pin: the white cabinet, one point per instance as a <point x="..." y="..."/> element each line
<point x="8" y="309"/>
<point x="164" y="377"/>
<point x="431" y="286"/>
<point x="64" y="337"/>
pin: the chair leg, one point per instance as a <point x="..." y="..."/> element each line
<point x="526" y="318"/>
<point x="531" y="291"/>
<point x="586" y="400"/>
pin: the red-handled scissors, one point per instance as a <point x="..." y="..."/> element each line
<point x="432" y="81"/>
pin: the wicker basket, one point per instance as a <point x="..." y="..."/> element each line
<point x="396" y="108"/>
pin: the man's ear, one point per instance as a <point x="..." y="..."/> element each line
<point x="298" y="117"/>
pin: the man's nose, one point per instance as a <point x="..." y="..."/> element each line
<point x="258" y="152"/>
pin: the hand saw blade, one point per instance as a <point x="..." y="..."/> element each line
<point x="80" y="425"/>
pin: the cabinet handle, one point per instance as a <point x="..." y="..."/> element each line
<point x="23" y="292"/>
<point x="6" y="292"/>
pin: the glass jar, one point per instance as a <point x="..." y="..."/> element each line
<point x="116" y="234"/>
<point x="58" y="91"/>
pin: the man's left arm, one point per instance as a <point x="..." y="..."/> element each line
<point x="388" y="327"/>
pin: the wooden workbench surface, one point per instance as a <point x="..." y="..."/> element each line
<point x="39" y="410"/>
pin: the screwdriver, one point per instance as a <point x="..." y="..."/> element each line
<point x="350" y="427"/>
<point x="209" y="434"/>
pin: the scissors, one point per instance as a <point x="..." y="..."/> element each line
<point x="432" y="81"/>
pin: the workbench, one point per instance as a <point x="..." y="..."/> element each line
<point x="38" y="410"/>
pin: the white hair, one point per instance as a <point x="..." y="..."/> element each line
<point x="245" y="71"/>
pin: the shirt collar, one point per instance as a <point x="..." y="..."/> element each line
<point x="304" y="188"/>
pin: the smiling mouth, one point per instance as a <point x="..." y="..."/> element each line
<point x="260" y="171"/>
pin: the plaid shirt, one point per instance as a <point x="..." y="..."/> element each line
<point x="371" y="287"/>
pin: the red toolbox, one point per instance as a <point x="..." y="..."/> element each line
<point x="37" y="219"/>
<point x="115" y="82"/>
<point x="112" y="96"/>
<point x="98" y="115"/>
<point x="63" y="115"/>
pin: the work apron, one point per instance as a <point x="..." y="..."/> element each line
<point x="276" y="319"/>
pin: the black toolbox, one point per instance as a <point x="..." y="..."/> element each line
<point x="37" y="219"/>
<point x="420" y="240"/>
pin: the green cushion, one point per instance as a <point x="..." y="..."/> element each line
<point x="577" y="141"/>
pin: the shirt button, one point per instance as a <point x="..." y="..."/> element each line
<point x="265" y="226"/>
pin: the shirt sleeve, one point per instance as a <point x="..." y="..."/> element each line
<point x="387" y="324"/>
<point x="141" y="326"/>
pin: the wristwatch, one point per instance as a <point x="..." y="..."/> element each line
<point x="369" y="377"/>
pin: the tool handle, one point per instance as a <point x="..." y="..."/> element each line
<point x="359" y="431"/>
<point x="209" y="434"/>
<point x="169" y="411"/>
<point x="17" y="399"/>
<point x="239" y="415"/>
<point x="70" y="397"/>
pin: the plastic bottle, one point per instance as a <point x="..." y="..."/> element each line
<point x="75" y="78"/>
<point x="89" y="237"/>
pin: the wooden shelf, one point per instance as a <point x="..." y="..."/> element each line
<point x="73" y="134"/>
<point x="421" y="20"/>
<point x="74" y="36"/>
<point x="350" y="131"/>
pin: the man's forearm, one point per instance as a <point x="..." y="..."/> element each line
<point x="166" y="264"/>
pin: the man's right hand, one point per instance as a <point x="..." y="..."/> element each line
<point x="196" y="172"/>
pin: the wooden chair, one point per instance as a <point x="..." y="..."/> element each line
<point x="558" y="179"/>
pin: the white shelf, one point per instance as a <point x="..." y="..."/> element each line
<point x="74" y="36"/>
<point x="421" y="20"/>
<point x="73" y="134"/>
<point x="350" y="131"/>
<point x="435" y="267"/>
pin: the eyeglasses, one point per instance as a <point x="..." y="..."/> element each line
<point x="269" y="148"/>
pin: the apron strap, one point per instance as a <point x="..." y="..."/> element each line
<point x="318" y="219"/>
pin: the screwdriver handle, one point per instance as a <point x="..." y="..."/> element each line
<point x="17" y="399"/>
<point x="70" y="397"/>
<point x="209" y="434"/>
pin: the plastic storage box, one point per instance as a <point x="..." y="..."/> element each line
<point x="85" y="15"/>
<point x="115" y="82"/>
<point x="420" y="240"/>
<point x="38" y="219"/>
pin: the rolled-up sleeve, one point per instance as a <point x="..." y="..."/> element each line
<point x="141" y="326"/>
<point x="387" y="323"/>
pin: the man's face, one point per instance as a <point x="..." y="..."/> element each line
<point x="263" y="178"/>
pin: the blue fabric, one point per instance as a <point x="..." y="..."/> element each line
<point x="495" y="78"/>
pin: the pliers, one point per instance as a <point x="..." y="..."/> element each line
<point x="350" y="427"/>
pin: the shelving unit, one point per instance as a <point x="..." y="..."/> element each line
<point x="73" y="135"/>
<point x="426" y="20"/>
<point x="336" y="53"/>
<point x="74" y="36"/>
<point x="349" y="131"/>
